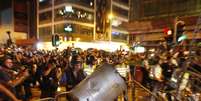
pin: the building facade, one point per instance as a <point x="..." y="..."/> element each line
<point x="70" y="19"/>
<point x="150" y="17"/>
<point x="85" y="20"/>
<point x="121" y="11"/>
<point x="15" y="17"/>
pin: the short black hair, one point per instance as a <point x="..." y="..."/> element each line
<point x="76" y="59"/>
<point x="90" y="59"/>
<point x="6" y="57"/>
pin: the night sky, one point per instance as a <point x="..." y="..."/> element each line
<point x="5" y="4"/>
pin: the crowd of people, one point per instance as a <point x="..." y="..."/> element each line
<point x="24" y="68"/>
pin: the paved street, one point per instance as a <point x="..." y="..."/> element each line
<point x="141" y="95"/>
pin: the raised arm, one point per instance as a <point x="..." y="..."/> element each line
<point x="7" y="92"/>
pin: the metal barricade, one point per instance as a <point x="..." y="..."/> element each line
<point x="135" y="86"/>
<point x="47" y="99"/>
<point x="62" y="96"/>
<point x="104" y="84"/>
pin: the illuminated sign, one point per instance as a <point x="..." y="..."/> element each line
<point x="68" y="9"/>
<point x="68" y="28"/>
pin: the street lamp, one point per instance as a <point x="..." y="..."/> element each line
<point x="110" y="16"/>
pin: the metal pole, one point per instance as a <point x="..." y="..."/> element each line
<point x="12" y="27"/>
<point x="175" y="30"/>
<point x="133" y="85"/>
<point x="28" y="19"/>
<point x="37" y="12"/>
<point x="94" y="31"/>
<point x="110" y="32"/>
<point x="52" y="16"/>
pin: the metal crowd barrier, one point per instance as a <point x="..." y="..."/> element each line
<point x="85" y="88"/>
<point x="61" y="96"/>
<point x="47" y="99"/>
<point x="135" y="83"/>
<point x="104" y="84"/>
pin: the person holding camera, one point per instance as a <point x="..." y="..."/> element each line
<point x="49" y="81"/>
<point x="10" y="77"/>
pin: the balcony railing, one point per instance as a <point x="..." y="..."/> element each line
<point x="57" y="2"/>
<point x="45" y="21"/>
<point x="123" y="2"/>
<point x="73" y="19"/>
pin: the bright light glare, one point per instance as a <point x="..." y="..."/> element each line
<point x="116" y="23"/>
<point x="186" y="75"/>
<point x="91" y="3"/>
<point x="68" y="9"/>
<point x="65" y="38"/>
<point x="169" y="32"/>
<point x="19" y="49"/>
<point x="41" y="0"/>
<point x="77" y="39"/>
<point x="39" y="45"/>
<point x="68" y="28"/>
<point x="59" y="89"/>
<point x="158" y="72"/>
<point x="152" y="55"/>
<point x="152" y="50"/>
<point x="183" y="37"/>
<point x="122" y="71"/>
<point x="184" y="81"/>
<point x="115" y="33"/>
<point x="139" y="49"/>
<point x="107" y="46"/>
<point x="89" y="16"/>
<point x="110" y="16"/>
<point x="174" y="79"/>
<point x="61" y="12"/>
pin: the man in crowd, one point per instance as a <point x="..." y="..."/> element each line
<point x="9" y="77"/>
<point x="49" y="80"/>
<point x="90" y="65"/>
<point x="74" y="73"/>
